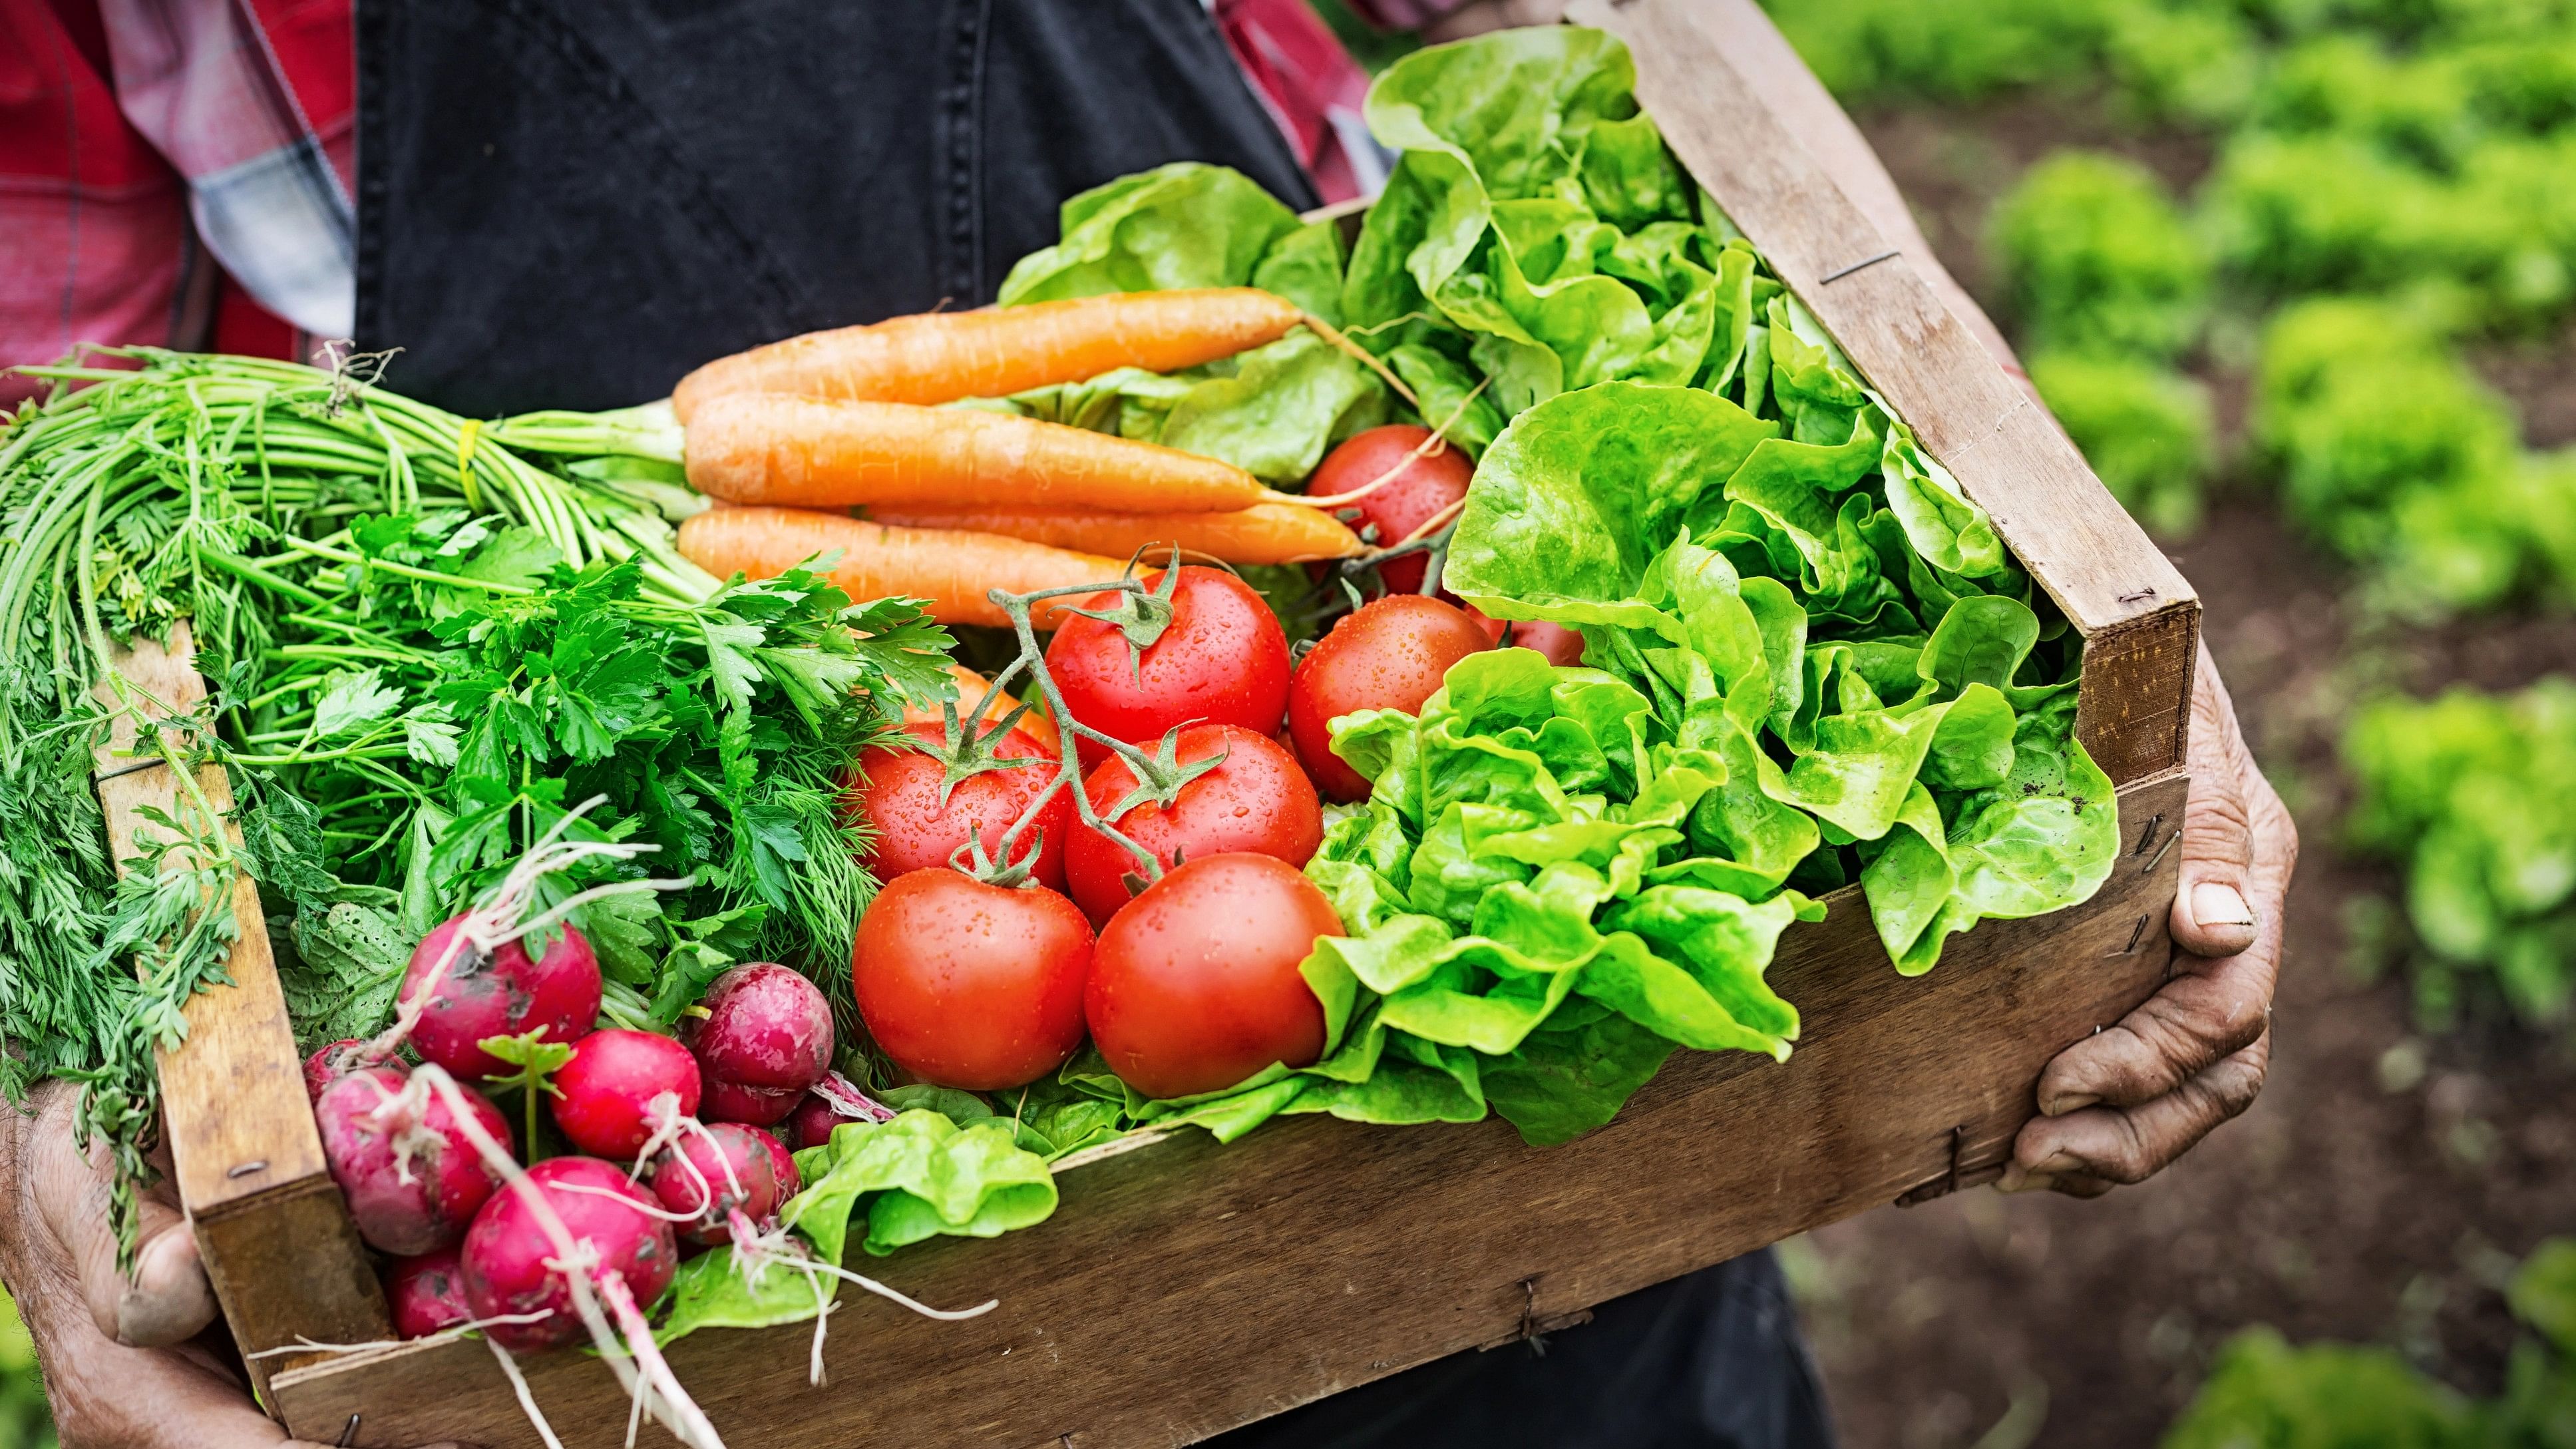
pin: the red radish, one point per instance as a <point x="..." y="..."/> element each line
<point x="503" y="993"/>
<point x="1424" y="486"/>
<point x="728" y="1168"/>
<point x="782" y="1161"/>
<point x="328" y="1065"/>
<point x="412" y="1179"/>
<point x="754" y="1106"/>
<point x="506" y="1252"/>
<point x="426" y="1293"/>
<point x="766" y="1038"/>
<point x="612" y="1091"/>
<point x="833" y="1101"/>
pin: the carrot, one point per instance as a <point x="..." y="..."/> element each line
<point x="970" y="688"/>
<point x="1265" y="533"/>
<point x="771" y="448"/>
<point x="948" y="567"/>
<point x="942" y="356"/>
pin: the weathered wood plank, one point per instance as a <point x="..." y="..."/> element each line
<point x="271" y="1226"/>
<point x="2139" y="616"/>
<point x="1185" y="1288"/>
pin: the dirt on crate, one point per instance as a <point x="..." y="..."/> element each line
<point x="2378" y="1191"/>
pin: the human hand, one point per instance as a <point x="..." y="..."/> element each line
<point x="2121" y="1104"/>
<point x="122" y="1361"/>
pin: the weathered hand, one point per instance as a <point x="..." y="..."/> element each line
<point x="2121" y="1104"/>
<point x="120" y="1358"/>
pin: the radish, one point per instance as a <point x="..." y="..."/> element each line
<point x="833" y="1101"/>
<point x="754" y="1106"/>
<point x="476" y="993"/>
<point x="611" y="1097"/>
<point x="329" y="1065"/>
<point x="724" y="1169"/>
<point x="426" y="1294"/>
<point x="507" y="1252"/>
<point x="413" y="1182"/>
<point x="766" y="1038"/>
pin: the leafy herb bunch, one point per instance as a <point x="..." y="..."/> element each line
<point x="718" y="732"/>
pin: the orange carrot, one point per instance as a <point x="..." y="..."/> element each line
<point x="950" y="568"/>
<point x="759" y="447"/>
<point x="970" y="688"/>
<point x="1265" y="533"/>
<point x="942" y="356"/>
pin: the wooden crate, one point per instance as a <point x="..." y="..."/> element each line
<point x="1184" y="1288"/>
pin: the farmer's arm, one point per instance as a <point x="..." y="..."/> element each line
<point x="120" y="1359"/>
<point x="2120" y="1105"/>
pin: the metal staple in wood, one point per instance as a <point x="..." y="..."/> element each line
<point x="1838" y="274"/>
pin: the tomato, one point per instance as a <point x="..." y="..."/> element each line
<point x="898" y="790"/>
<point x="1196" y="987"/>
<point x="1390" y="653"/>
<point x="1561" y="645"/>
<point x="1221" y="660"/>
<point x="971" y="985"/>
<point x="1256" y="800"/>
<point x="1405" y="502"/>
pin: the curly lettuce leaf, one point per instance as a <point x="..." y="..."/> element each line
<point x="1187" y="224"/>
<point x="918" y="1176"/>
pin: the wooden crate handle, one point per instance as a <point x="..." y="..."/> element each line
<point x="271" y="1225"/>
<point x="2139" y="617"/>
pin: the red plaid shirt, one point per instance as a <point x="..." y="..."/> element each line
<point x="174" y="172"/>
<point x="179" y="171"/>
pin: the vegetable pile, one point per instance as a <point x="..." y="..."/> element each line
<point x="1628" y="623"/>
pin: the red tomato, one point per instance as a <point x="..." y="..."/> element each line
<point x="1257" y="800"/>
<point x="1196" y="986"/>
<point x="1561" y="645"/>
<point x="971" y="985"/>
<point x="898" y="790"/>
<point x="1390" y="653"/>
<point x="1405" y="502"/>
<point x="1221" y="660"/>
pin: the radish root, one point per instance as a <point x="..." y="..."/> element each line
<point x="578" y="1263"/>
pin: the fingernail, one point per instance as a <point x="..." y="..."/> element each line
<point x="2066" y="1102"/>
<point x="2017" y="1178"/>
<point x="2215" y="903"/>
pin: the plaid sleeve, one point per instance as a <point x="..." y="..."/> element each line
<point x="253" y="102"/>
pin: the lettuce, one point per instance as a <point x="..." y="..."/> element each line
<point x="919" y="1176"/>
<point x="2474" y="795"/>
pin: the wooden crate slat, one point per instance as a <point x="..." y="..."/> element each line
<point x="2139" y="617"/>
<point x="272" y="1228"/>
<point x="1185" y="1288"/>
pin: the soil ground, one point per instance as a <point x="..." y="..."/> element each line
<point x="2386" y="1181"/>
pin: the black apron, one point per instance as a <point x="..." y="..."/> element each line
<point x="570" y="203"/>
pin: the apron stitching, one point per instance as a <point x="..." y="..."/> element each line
<point x="961" y="272"/>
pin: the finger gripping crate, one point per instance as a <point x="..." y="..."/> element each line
<point x="1184" y="1288"/>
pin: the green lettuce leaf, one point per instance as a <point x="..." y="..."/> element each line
<point x="1187" y="224"/>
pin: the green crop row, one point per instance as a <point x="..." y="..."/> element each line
<point x="2418" y="152"/>
<point x="2266" y="1394"/>
<point x="2475" y="796"/>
